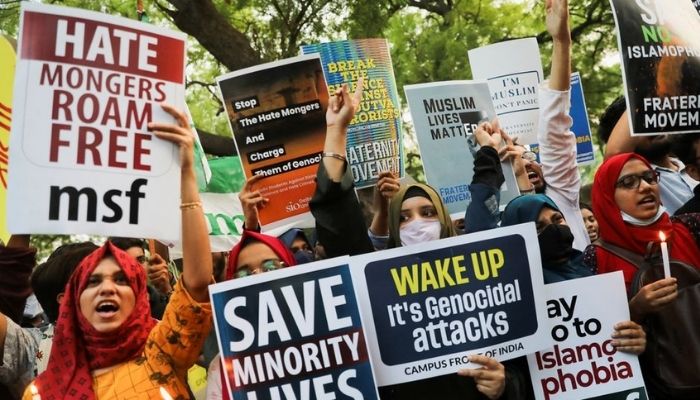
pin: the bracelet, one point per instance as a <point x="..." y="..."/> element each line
<point x="190" y="206"/>
<point x="334" y="155"/>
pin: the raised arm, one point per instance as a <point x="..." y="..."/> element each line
<point x="197" y="264"/>
<point x="557" y="22"/>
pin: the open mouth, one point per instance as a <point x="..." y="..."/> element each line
<point x="533" y="177"/>
<point x="648" y="200"/>
<point x="107" y="308"/>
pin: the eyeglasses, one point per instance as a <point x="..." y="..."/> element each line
<point x="529" y="156"/>
<point x="265" y="266"/>
<point x="632" y="181"/>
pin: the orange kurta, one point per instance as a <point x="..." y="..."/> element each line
<point x="172" y="348"/>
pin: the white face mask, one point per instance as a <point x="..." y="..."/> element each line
<point x="643" y="222"/>
<point x="419" y="231"/>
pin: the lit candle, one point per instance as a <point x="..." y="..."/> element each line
<point x="35" y="392"/>
<point x="664" y="255"/>
<point x="165" y="394"/>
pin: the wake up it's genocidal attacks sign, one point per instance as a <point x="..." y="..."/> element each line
<point x="660" y="49"/>
<point x="294" y="333"/>
<point x="427" y="307"/>
<point x="82" y="159"/>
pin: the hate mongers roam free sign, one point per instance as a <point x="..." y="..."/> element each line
<point x="82" y="158"/>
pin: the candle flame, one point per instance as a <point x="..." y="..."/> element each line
<point x="165" y="394"/>
<point x="662" y="236"/>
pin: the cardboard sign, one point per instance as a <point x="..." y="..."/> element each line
<point x="445" y="115"/>
<point x="659" y="46"/>
<point x="428" y="306"/>
<point x="277" y="113"/>
<point x="583" y="364"/>
<point x="294" y="333"/>
<point x="513" y="70"/>
<point x="375" y="140"/>
<point x="83" y="161"/>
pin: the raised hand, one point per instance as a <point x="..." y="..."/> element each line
<point x="489" y="134"/>
<point x="342" y="106"/>
<point x="252" y="201"/>
<point x="180" y="134"/>
<point x="557" y="19"/>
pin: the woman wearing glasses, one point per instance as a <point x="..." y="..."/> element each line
<point x="627" y="203"/>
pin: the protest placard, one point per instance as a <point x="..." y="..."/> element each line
<point x="82" y="160"/>
<point x="427" y="307"/>
<point x="294" y="333"/>
<point x="583" y="364"/>
<point x="277" y="113"/>
<point x="445" y="115"/>
<point x="514" y="71"/>
<point x="580" y="126"/>
<point x="374" y="143"/>
<point x="7" y="76"/>
<point x="659" y="46"/>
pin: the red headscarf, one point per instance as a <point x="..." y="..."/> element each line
<point x="78" y="348"/>
<point x="277" y="246"/>
<point x="635" y="238"/>
<point x="272" y="242"/>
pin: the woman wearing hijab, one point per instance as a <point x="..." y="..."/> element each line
<point x="560" y="261"/>
<point x="627" y="203"/>
<point x="254" y="253"/>
<point x="630" y="216"/>
<point x="106" y="345"/>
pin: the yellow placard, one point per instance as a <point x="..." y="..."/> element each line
<point x="8" y="60"/>
<point x="197" y="379"/>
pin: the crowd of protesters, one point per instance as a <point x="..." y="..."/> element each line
<point x="121" y="323"/>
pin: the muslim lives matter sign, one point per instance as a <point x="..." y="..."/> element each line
<point x="82" y="159"/>
<point x="294" y="333"/>
<point x="584" y="364"/>
<point x="660" y="50"/>
<point x="428" y="306"/>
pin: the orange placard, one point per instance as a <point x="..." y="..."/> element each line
<point x="8" y="58"/>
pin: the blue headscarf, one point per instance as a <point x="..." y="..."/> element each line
<point x="526" y="208"/>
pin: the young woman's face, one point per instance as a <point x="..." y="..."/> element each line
<point x="255" y="258"/>
<point x="549" y="216"/>
<point x="417" y="207"/>
<point x="590" y="223"/>
<point x="107" y="300"/>
<point x="634" y="195"/>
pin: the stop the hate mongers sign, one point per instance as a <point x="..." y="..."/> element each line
<point x="427" y="307"/>
<point x="660" y="50"/>
<point x="583" y="364"/>
<point x="277" y="112"/>
<point x="82" y="161"/>
<point x="294" y="333"/>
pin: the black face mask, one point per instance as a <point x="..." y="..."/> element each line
<point x="303" y="257"/>
<point x="555" y="242"/>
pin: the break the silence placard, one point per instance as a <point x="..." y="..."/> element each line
<point x="374" y="143"/>
<point x="428" y="306"/>
<point x="87" y="84"/>
<point x="445" y="115"/>
<point x="660" y="51"/>
<point x="583" y="364"/>
<point x="294" y="333"/>
<point x="277" y="113"/>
